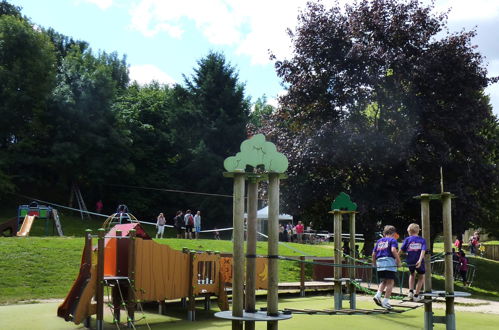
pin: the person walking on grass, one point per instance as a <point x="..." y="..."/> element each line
<point x="386" y="259"/>
<point x="415" y="247"/>
<point x="197" y="223"/>
<point x="160" y="224"/>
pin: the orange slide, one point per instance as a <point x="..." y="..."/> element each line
<point x="26" y="227"/>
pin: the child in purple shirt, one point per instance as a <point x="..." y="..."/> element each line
<point x="415" y="247"/>
<point x="386" y="259"/>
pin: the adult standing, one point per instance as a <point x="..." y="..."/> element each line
<point x="299" y="232"/>
<point x="178" y="222"/>
<point x="160" y="224"/>
<point x="197" y="223"/>
<point x="189" y="224"/>
<point x="474" y="241"/>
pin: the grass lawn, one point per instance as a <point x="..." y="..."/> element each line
<point x="43" y="316"/>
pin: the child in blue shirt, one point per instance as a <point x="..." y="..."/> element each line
<point x="415" y="247"/>
<point x="386" y="259"/>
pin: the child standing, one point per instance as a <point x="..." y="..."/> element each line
<point x="415" y="247"/>
<point x="463" y="266"/>
<point x="386" y="259"/>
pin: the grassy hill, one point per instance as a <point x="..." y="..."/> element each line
<point x="44" y="267"/>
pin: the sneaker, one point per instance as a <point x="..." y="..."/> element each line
<point x="386" y="304"/>
<point x="377" y="300"/>
<point x="410" y="296"/>
<point x="418" y="298"/>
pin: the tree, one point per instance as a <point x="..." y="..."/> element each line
<point x="376" y="103"/>
<point x="215" y="117"/>
<point x="27" y="72"/>
<point x="260" y="114"/>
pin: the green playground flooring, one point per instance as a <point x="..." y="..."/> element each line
<point x="43" y="316"/>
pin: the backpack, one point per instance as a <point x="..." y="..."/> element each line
<point x="190" y="221"/>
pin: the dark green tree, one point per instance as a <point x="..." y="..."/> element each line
<point x="377" y="101"/>
<point x="27" y="76"/>
<point x="215" y="118"/>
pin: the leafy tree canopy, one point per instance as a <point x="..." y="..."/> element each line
<point x="378" y="98"/>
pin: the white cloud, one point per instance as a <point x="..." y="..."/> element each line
<point x="102" y="4"/>
<point x="253" y="27"/>
<point x="146" y="73"/>
<point x="466" y="10"/>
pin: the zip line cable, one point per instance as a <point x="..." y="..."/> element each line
<point x="175" y="191"/>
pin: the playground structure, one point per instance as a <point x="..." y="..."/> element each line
<point x="136" y="269"/>
<point x="265" y="163"/>
<point x="26" y="215"/>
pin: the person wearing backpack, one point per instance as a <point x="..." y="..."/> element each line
<point x="189" y="224"/>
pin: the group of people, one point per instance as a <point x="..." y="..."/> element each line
<point x="184" y="224"/>
<point x="386" y="258"/>
<point x="290" y="233"/>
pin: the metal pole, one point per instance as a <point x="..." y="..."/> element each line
<point x="352" y="270"/>
<point x="273" y="250"/>
<point x="337" y="260"/>
<point x="238" y="254"/>
<point x="450" y="316"/>
<point x="251" y="251"/>
<point x="425" y="224"/>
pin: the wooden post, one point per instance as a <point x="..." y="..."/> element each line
<point x="450" y="316"/>
<point x="191" y="311"/>
<point x="131" y="277"/>
<point x="425" y="224"/>
<point x="337" y="260"/>
<point x="273" y="250"/>
<point x="99" y="293"/>
<point x="87" y="257"/>
<point x="251" y="251"/>
<point x="352" y="270"/>
<point x="302" y="276"/>
<point x="115" y="292"/>
<point x="238" y="250"/>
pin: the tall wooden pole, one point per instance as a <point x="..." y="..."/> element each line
<point x="99" y="293"/>
<point x="116" y="297"/>
<point x="238" y="254"/>
<point x="352" y="269"/>
<point x="251" y="251"/>
<point x="273" y="250"/>
<point x="131" y="298"/>
<point x="88" y="260"/>
<point x="191" y="309"/>
<point x="337" y="259"/>
<point x="450" y="316"/>
<point x="425" y="224"/>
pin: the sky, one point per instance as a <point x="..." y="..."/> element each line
<point x="164" y="39"/>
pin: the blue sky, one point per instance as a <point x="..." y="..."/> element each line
<point x="163" y="39"/>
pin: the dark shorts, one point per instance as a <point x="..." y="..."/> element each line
<point x="386" y="275"/>
<point x="188" y="229"/>
<point x="420" y="270"/>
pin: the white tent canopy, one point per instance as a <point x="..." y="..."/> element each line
<point x="263" y="214"/>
